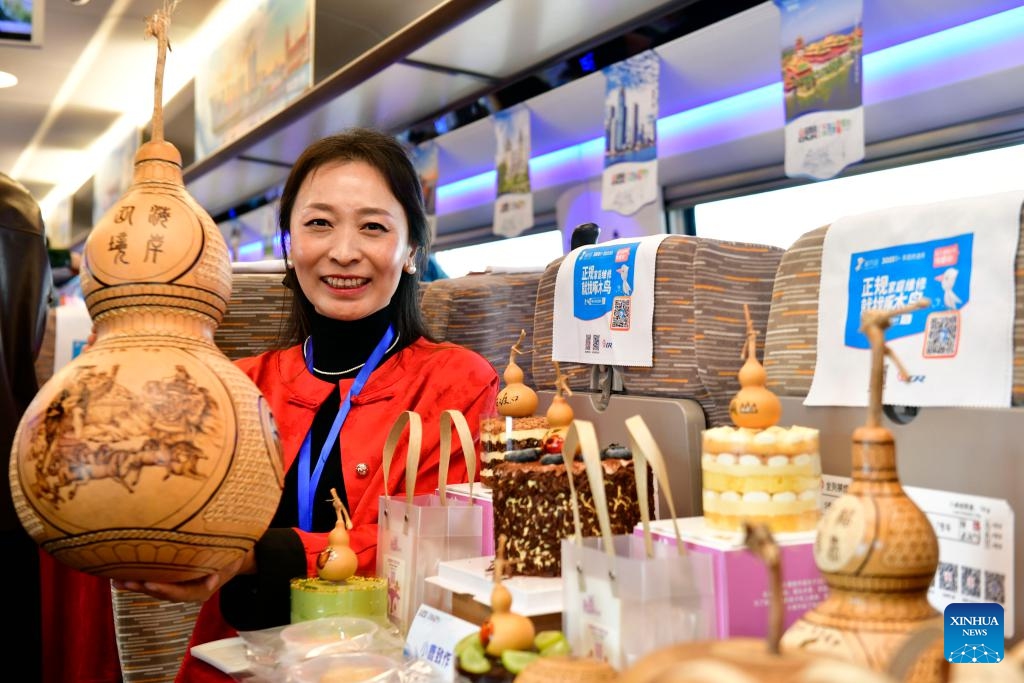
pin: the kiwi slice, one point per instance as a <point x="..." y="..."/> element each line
<point x="470" y="641"/>
<point x="517" y="660"/>
<point x="474" y="660"/>
<point x="545" y="639"/>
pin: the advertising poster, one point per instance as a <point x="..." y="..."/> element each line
<point x="424" y="159"/>
<point x="958" y="350"/>
<point x="630" y="178"/>
<point x="513" y="206"/>
<point x="821" y="42"/>
<point x="264" y="64"/>
<point x="604" y="303"/>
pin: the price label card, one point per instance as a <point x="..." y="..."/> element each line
<point x="976" y="549"/>
<point x="433" y="636"/>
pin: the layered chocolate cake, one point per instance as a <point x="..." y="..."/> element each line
<point x="533" y="509"/>
<point x="531" y="495"/>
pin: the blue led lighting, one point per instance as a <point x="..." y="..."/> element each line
<point x="971" y="49"/>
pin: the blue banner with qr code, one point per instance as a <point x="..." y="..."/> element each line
<point x="604" y="282"/>
<point x="889" y="278"/>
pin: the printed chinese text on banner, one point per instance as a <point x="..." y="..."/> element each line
<point x="424" y="159"/>
<point x="958" y="351"/>
<point x="630" y="178"/>
<point x="513" y="207"/>
<point x="821" y="43"/>
<point x="604" y="304"/>
<point x="262" y="66"/>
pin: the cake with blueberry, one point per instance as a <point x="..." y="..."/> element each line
<point x="531" y="495"/>
<point x="757" y="471"/>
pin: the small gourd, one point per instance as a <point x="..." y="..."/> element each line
<point x="504" y="630"/>
<point x="338" y="562"/>
<point x="754" y="406"/>
<point x="560" y="414"/>
<point x="516" y="399"/>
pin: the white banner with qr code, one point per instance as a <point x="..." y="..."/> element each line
<point x="604" y="303"/>
<point x="957" y="350"/>
<point x="976" y="550"/>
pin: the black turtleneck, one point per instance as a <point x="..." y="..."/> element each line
<point x="338" y="346"/>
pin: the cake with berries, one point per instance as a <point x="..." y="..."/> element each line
<point x="531" y="496"/>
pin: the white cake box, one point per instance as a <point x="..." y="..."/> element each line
<point x="531" y="595"/>
<point x="741" y="580"/>
<point x="481" y="496"/>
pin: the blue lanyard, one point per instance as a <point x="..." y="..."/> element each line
<point x="308" y="482"/>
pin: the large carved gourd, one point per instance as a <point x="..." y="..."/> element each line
<point x="876" y="549"/>
<point x="150" y="456"/>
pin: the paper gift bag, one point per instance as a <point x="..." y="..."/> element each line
<point x="418" y="532"/>
<point x="624" y="596"/>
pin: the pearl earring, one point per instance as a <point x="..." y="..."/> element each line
<point x="411" y="268"/>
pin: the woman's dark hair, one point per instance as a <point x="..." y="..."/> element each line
<point x="387" y="155"/>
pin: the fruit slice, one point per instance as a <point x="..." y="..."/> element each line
<point x="544" y="639"/>
<point x="472" y="640"/>
<point x="517" y="660"/>
<point x="557" y="648"/>
<point x="474" y="661"/>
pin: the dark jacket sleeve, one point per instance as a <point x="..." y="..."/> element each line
<point x="250" y="602"/>
<point x="25" y="284"/>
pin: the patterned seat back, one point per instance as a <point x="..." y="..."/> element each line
<point x="699" y="326"/>
<point x="791" y="344"/>
<point x="485" y="312"/>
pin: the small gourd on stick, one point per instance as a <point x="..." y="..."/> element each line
<point x="559" y="414"/>
<point x="338" y="562"/>
<point x="504" y="630"/>
<point x="516" y="399"/>
<point x="754" y="406"/>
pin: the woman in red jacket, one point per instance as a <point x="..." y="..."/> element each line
<point x="357" y="354"/>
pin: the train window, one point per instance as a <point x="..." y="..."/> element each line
<point x="529" y="252"/>
<point x="779" y="217"/>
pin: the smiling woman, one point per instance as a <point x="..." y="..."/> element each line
<point x="353" y="227"/>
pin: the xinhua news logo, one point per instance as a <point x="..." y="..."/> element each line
<point x="973" y="632"/>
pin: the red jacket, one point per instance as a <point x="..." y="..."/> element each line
<point x="426" y="377"/>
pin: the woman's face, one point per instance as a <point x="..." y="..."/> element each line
<point x="349" y="240"/>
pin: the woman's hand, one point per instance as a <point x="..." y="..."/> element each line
<point x="195" y="590"/>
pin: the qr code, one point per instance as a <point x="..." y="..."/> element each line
<point x="620" y="313"/>
<point x="947" y="576"/>
<point x="970" y="581"/>
<point x="942" y="334"/>
<point x="995" y="587"/>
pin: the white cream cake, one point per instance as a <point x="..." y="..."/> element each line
<point x="770" y="475"/>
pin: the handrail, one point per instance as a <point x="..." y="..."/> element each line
<point x="399" y="45"/>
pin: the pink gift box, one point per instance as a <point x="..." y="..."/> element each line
<point x="741" y="580"/>
<point x="481" y="497"/>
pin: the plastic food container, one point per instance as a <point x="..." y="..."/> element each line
<point x="328" y="635"/>
<point x="351" y="667"/>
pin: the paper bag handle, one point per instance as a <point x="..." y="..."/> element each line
<point x="456" y="418"/>
<point x="412" y="456"/>
<point x="645" y="451"/>
<point x="581" y="433"/>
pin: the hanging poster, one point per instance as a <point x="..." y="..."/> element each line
<point x="424" y="159"/>
<point x="114" y="175"/>
<point x="264" y="63"/>
<point x="822" y="44"/>
<point x="513" y="207"/>
<point x="630" y="178"/>
<point x="958" y="351"/>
